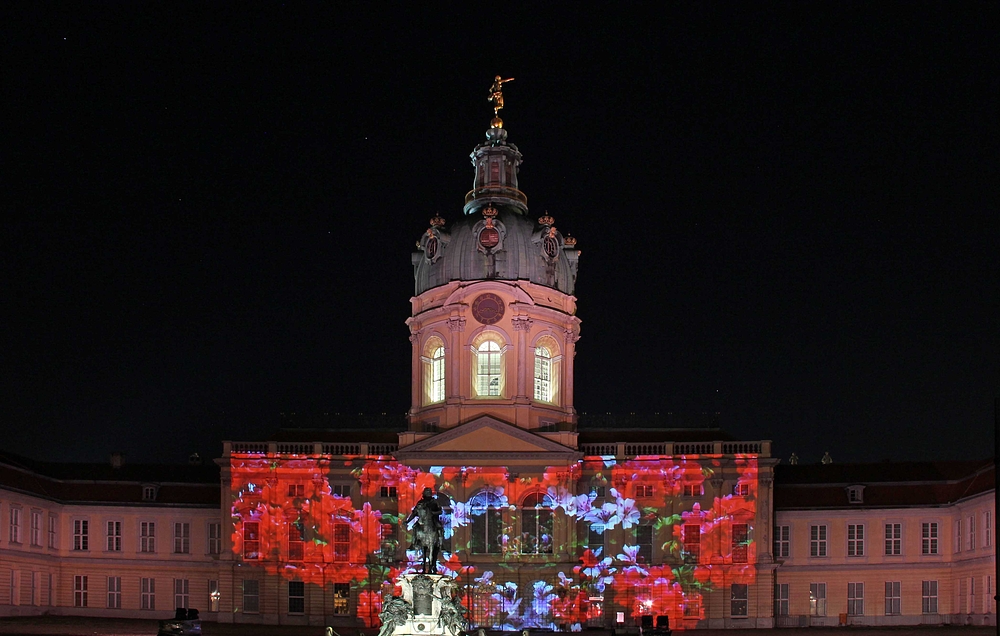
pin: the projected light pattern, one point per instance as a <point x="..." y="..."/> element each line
<point x="569" y="547"/>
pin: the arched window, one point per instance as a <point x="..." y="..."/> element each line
<point x="487" y="526"/>
<point x="433" y="365"/>
<point x="536" y="524"/>
<point x="488" y="368"/>
<point x="546" y="370"/>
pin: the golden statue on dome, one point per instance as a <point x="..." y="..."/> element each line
<point x="496" y="98"/>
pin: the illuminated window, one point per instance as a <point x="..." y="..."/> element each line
<point x="781" y="599"/>
<point x="536" y="524"/>
<point x="147" y="536"/>
<point x="214" y="595"/>
<point x="644" y="539"/>
<point x="433" y="363"/>
<point x="893" y="539"/>
<point x="892" y="598"/>
<point x="341" y="543"/>
<point x="817" y="541"/>
<point x="929" y="597"/>
<point x="296" y="597"/>
<point x="487" y="367"/>
<point x="215" y="538"/>
<point x="114" y="592"/>
<point x="147" y="593"/>
<point x="341" y="598"/>
<point x="739" y="596"/>
<point x="855" y="540"/>
<point x="114" y="536"/>
<point x="741" y="539"/>
<point x="182" y="538"/>
<point x="782" y="541"/>
<point x="929" y="538"/>
<point x="855" y="599"/>
<point x="81" y="534"/>
<point x="251" y="539"/>
<point x="80" y="591"/>
<point x="487" y="527"/>
<point x="251" y="596"/>
<point x="817" y="599"/>
<point x="182" y="595"/>
<point x="694" y="490"/>
<point x="546" y="370"/>
<point x="692" y="542"/>
<point x="692" y="608"/>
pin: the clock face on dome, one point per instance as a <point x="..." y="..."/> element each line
<point x="488" y="308"/>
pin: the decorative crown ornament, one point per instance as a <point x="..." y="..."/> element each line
<point x="437" y="221"/>
<point x="546" y="220"/>
<point x="490" y="212"/>
<point x="569" y="241"/>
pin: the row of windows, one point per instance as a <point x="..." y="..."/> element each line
<point x="34" y="534"/>
<point x="965" y="532"/>
<point x="181" y="536"/>
<point x="892" y="543"/>
<point x="147" y="593"/>
<point x="296" y="596"/>
<point x="856" y="598"/>
<point x="488" y="368"/>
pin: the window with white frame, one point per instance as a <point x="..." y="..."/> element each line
<point x="80" y="590"/>
<point x="782" y="541"/>
<point x="114" y="592"/>
<point x="182" y="593"/>
<point x="595" y="538"/>
<point x="251" y="596"/>
<point x="149" y="493"/>
<point x="987" y="529"/>
<point x="855" y="494"/>
<point x="341" y="543"/>
<point x="929" y="538"/>
<point x="81" y="534"/>
<point x="692" y="542"/>
<point x="855" y="540"/>
<point x="147" y="593"/>
<point x="433" y="362"/>
<point x="971" y="545"/>
<point x="543" y="373"/>
<point x="114" y="537"/>
<point x="893" y="539"/>
<point x="489" y="367"/>
<point x="739" y="596"/>
<point x="855" y="599"/>
<point x="972" y="595"/>
<point x="487" y="526"/>
<point x="53" y="524"/>
<point x="536" y="524"/>
<point x="817" y="599"/>
<point x="182" y="538"/>
<point x="36" y="588"/>
<point x="958" y="535"/>
<point x="214" y="595"/>
<point x="15" y="524"/>
<point x="296" y="597"/>
<point x="147" y="536"/>
<point x="694" y="490"/>
<point x="341" y="598"/>
<point x="296" y="532"/>
<point x="781" y="599"/>
<point x="817" y="541"/>
<point x="215" y="538"/>
<point x="36" y="528"/>
<point x="251" y="540"/>
<point x="929" y="597"/>
<point x="892" y="598"/>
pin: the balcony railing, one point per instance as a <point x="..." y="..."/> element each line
<point x="668" y="449"/>
<point x="316" y="449"/>
<point x="491" y="192"/>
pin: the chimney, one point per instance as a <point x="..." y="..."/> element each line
<point x="117" y="459"/>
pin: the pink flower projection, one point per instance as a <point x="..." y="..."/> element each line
<point x="291" y="522"/>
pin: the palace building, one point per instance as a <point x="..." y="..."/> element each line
<point x="553" y="520"/>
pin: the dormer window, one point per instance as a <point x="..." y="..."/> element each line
<point x="855" y="494"/>
<point x="149" y="492"/>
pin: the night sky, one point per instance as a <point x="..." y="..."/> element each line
<point x="785" y="214"/>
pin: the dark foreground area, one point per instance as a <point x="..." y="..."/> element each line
<point x="76" y="626"/>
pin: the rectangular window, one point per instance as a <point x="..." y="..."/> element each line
<point x="738" y="600"/>
<point x="341" y="598"/>
<point x="692" y="542"/>
<point x="147" y="594"/>
<point x="595" y="538"/>
<point x="341" y="542"/>
<point x="114" y="543"/>
<point x="182" y="596"/>
<point x="214" y="595"/>
<point x="36" y="588"/>
<point x="929" y="538"/>
<point x="296" y="597"/>
<point x="741" y="540"/>
<point x="892" y="597"/>
<point x="15" y="587"/>
<point x="971" y="545"/>
<point x="79" y="591"/>
<point x="958" y="535"/>
<point x="694" y="490"/>
<point x="782" y="541"/>
<point x="296" y="546"/>
<point x="251" y="540"/>
<point x="215" y="538"/>
<point x="114" y="592"/>
<point x="296" y="490"/>
<point x="893" y="539"/>
<point x="855" y="599"/>
<point x="781" y="599"/>
<point x="644" y="491"/>
<point x="929" y="597"/>
<point x="147" y="536"/>
<point x="988" y="529"/>
<point x="972" y="595"/>
<point x="81" y="535"/>
<point x="855" y="540"/>
<point x="817" y="541"/>
<point x="387" y="492"/>
<point x="341" y="490"/>
<point x="53" y="522"/>
<point x="741" y="490"/>
<point x="36" y="528"/>
<point x="182" y="538"/>
<point x="251" y="596"/>
<point x="15" y="525"/>
<point x="817" y="598"/>
<point x="644" y="539"/>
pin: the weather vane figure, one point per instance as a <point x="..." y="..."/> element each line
<point x="496" y="94"/>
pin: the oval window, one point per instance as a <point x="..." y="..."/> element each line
<point x="489" y="237"/>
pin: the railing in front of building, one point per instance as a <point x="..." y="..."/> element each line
<point x="668" y="449"/>
<point x="278" y="449"/>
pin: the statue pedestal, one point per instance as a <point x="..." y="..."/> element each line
<point x="431" y="610"/>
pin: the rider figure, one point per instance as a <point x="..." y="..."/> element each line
<point x="433" y="508"/>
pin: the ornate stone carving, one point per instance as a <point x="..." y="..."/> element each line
<point x="522" y="323"/>
<point x="456" y="323"/>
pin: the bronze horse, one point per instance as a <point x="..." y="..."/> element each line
<point x="428" y="532"/>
